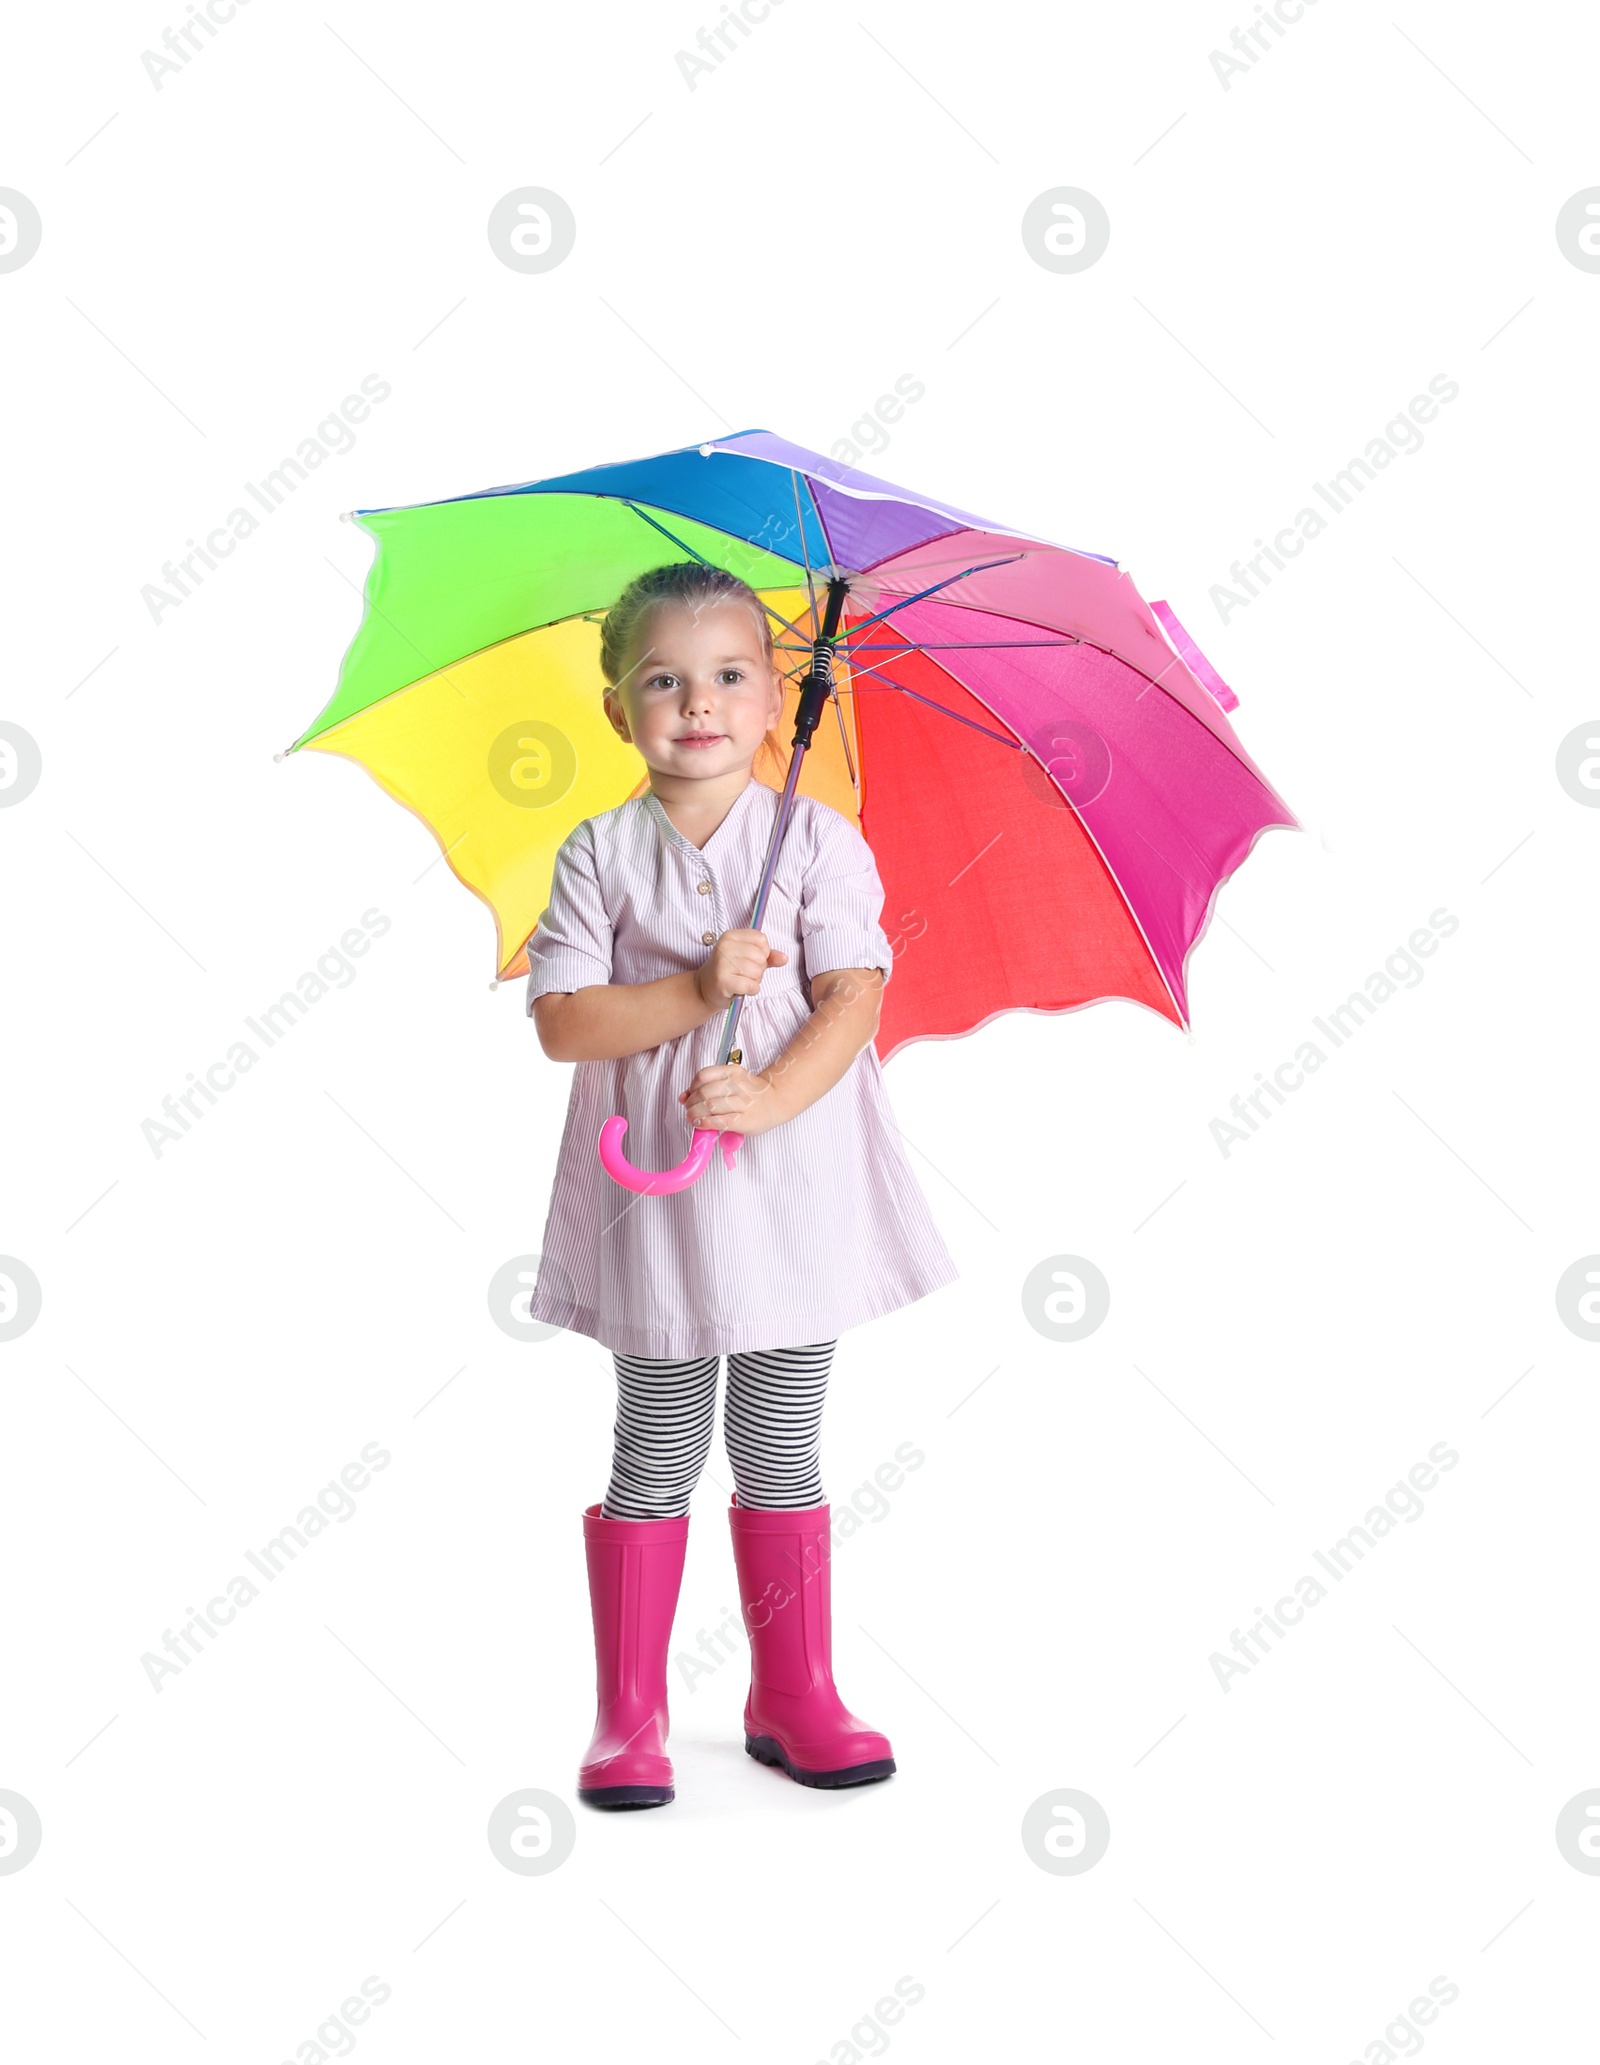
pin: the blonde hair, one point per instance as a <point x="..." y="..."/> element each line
<point x="694" y="584"/>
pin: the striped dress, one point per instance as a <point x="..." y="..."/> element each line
<point x="821" y="1224"/>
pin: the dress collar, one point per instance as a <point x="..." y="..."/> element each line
<point x="652" y="802"/>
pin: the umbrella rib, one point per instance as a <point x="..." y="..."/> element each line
<point x="884" y="681"/>
<point x="870" y="573"/>
<point x="974" y="645"/>
<point x="799" y="517"/>
<point x="844" y="741"/>
<point x="923" y="593"/>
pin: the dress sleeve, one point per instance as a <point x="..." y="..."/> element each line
<point x="570" y="947"/>
<point x="842" y="901"/>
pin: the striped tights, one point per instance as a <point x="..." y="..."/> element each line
<point x="771" y="1422"/>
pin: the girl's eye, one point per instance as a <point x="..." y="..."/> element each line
<point x="662" y="680"/>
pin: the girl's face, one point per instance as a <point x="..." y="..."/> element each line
<point x="697" y="696"/>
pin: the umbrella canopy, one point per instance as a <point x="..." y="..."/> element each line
<point x="1039" y="760"/>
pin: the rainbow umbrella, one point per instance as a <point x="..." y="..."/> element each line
<point x="1040" y="760"/>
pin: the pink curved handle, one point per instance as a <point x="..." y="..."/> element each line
<point x="621" y="1170"/>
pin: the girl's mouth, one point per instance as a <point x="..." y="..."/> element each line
<point x="700" y="738"/>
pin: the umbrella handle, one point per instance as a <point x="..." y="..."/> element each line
<point x="621" y="1170"/>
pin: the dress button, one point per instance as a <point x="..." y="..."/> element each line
<point x="704" y="888"/>
<point x="708" y="939"/>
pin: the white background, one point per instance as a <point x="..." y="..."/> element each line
<point x="1292" y="1326"/>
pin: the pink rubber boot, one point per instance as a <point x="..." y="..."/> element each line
<point x="635" y="1569"/>
<point x="794" y="1717"/>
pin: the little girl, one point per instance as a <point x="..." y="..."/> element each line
<point x="818" y="1227"/>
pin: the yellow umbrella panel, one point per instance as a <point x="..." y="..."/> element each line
<point x="502" y="753"/>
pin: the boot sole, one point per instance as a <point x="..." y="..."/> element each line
<point x="767" y="1750"/>
<point x="627" y="1795"/>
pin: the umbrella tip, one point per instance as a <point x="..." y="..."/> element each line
<point x="706" y="451"/>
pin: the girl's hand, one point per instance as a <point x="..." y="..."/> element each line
<point x="734" y="966"/>
<point x="731" y="1098"/>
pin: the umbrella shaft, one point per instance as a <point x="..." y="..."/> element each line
<point x="778" y="830"/>
<point x="813" y="695"/>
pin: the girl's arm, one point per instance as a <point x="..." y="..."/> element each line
<point x="610" y="1019"/>
<point x="604" y="1021"/>
<point x="846" y="1006"/>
